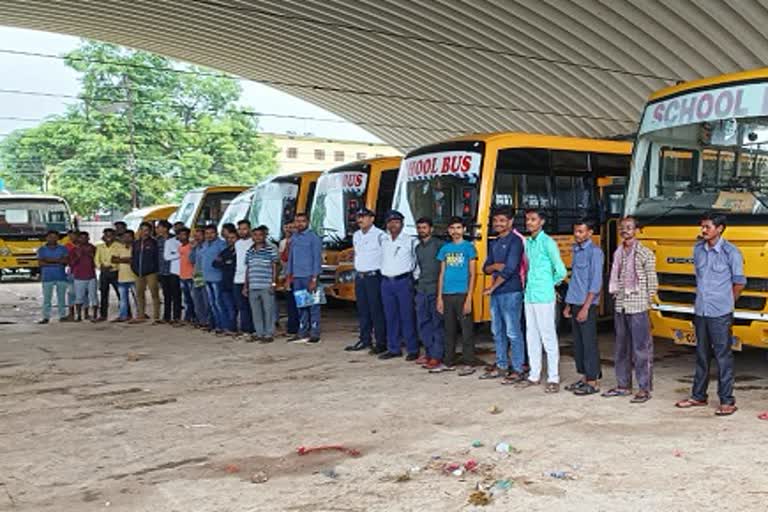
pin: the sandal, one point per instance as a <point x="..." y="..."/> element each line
<point x="576" y="385"/>
<point x="512" y="379"/>
<point x="640" y="398"/>
<point x="616" y="392"/>
<point x="690" y="402"/>
<point x="586" y="389"/>
<point x="524" y="384"/>
<point x="464" y="372"/>
<point x="726" y="410"/>
<point x="496" y="374"/>
<point x="552" y="387"/>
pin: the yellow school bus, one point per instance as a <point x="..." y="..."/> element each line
<point x="341" y="192"/>
<point x="276" y="201"/>
<point x="701" y="147"/>
<point x="24" y="221"/>
<point x="205" y="206"/>
<point x="149" y="214"/>
<point x="567" y="177"/>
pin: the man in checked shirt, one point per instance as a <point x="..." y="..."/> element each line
<point x="633" y="283"/>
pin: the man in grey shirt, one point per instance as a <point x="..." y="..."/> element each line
<point x="429" y="322"/>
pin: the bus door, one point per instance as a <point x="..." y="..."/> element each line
<point x="385" y="194"/>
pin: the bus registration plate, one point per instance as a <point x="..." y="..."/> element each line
<point x="685" y="337"/>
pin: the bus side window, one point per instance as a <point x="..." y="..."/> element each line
<point x="387" y="184"/>
<point x="522" y="181"/>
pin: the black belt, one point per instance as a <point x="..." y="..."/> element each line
<point x="372" y="273"/>
<point x="397" y="278"/>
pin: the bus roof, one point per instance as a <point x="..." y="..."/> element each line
<point x="379" y="160"/>
<point x="538" y="140"/>
<point x="156" y="212"/>
<point x="741" y="76"/>
<point x="221" y="188"/>
<point x="42" y="197"/>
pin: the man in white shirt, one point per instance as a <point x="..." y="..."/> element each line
<point x="243" y="317"/>
<point x="398" y="261"/>
<point x="370" y="313"/>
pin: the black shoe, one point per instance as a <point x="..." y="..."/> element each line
<point x="268" y="339"/>
<point x="43" y="321"/>
<point x="376" y="351"/>
<point x="411" y="357"/>
<point x="389" y="355"/>
<point x="313" y="341"/>
<point x="253" y="339"/>
<point x="356" y="347"/>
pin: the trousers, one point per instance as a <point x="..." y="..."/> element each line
<point x="586" y="350"/>
<point x="453" y="318"/>
<point x="61" y="288"/>
<point x="107" y="280"/>
<point x="171" y="286"/>
<point x="262" y="311"/>
<point x="634" y="348"/>
<point x="430" y="325"/>
<point x="243" y="314"/>
<point x="541" y="333"/>
<point x="713" y="338"/>
<point x="397" y="299"/>
<point x="142" y="283"/>
<point x="506" y="311"/>
<point x="370" y="312"/>
<point x="309" y="317"/>
<point x="187" y="289"/>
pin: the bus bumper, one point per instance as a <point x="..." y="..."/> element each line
<point x="676" y="323"/>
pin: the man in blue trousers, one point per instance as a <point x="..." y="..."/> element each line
<point x="397" y="265"/>
<point x="428" y="320"/>
<point x="304" y="265"/>
<point x="367" y="242"/>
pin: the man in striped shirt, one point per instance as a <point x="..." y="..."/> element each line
<point x="259" y="287"/>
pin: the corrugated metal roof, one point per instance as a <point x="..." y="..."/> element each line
<point x="414" y="72"/>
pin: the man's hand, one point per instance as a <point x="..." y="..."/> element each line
<point x="439" y="305"/>
<point x="488" y="290"/>
<point x="495" y="267"/>
<point x="288" y="281"/>
<point x="583" y="314"/>
<point x="244" y="291"/>
<point x="312" y="286"/>
<point x="567" y="311"/>
<point x="467" y="305"/>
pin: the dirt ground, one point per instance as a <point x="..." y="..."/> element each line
<point x="155" y="418"/>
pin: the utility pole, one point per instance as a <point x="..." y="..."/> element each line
<point x="131" y="143"/>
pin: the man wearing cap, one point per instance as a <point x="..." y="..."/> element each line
<point x="367" y="242"/>
<point x="398" y="262"/>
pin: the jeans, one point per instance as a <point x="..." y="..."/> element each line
<point x="634" y="347"/>
<point x="107" y="280"/>
<point x="85" y="292"/>
<point x="171" y="286"/>
<point x="397" y="298"/>
<point x="309" y="317"/>
<point x="61" y="298"/>
<point x="187" y="288"/>
<point x="70" y="290"/>
<point x="453" y="316"/>
<point x="228" y="308"/>
<point x="292" y="322"/>
<point x="585" y="348"/>
<point x="243" y="314"/>
<point x="125" y="290"/>
<point x="430" y="325"/>
<point x="370" y="312"/>
<point x="200" y="298"/>
<point x="713" y="337"/>
<point x="262" y="311"/>
<point x="142" y="283"/>
<point x="215" y="303"/>
<point x="506" y="309"/>
<point x="541" y="333"/>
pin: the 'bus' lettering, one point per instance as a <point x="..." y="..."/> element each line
<point x="704" y="108"/>
<point x="466" y="162"/>
<point x="446" y="166"/>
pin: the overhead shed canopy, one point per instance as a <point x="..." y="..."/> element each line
<point x="414" y="72"/>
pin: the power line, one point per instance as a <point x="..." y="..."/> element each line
<point x="374" y="94"/>
<point x="429" y="40"/>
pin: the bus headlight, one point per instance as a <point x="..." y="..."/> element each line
<point x="4" y="251"/>
<point x="348" y="276"/>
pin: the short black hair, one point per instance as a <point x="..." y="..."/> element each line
<point x="107" y="230"/>
<point x="502" y="210"/>
<point x="182" y="229"/>
<point x="425" y="220"/>
<point x="244" y="221"/>
<point x="538" y="211"/>
<point x="120" y="223"/>
<point x="209" y="227"/>
<point x="263" y="227"/>
<point x="52" y="232"/>
<point x="590" y="223"/>
<point x="229" y="227"/>
<point x="718" y="219"/>
<point x="165" y="224"/>
<point x="129" y="232"/>
<point x="81" y="233"/>
<point x="456" y="220"/>
<point x="146" y="224"/>
<point x="301" y="214"/>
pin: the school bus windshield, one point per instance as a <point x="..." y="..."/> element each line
<point x="338" y="197"/>
<point x="683" y="169"/>
<point x="33" y="217"/>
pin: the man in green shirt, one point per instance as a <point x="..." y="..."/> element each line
<point x="545" y="271"/>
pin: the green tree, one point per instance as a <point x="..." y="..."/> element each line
<point x="144" y="131"/>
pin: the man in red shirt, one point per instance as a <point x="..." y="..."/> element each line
<point x="82" y="263"/>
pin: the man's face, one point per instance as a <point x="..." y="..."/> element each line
<point x="627" y="229"/>
<point x="424" y="230"/>
<point x="533" y="222"/>
<point x="127" y="238"/>
<point x="301" y="223"/>
<point x="364" y="222"/>
<point x="144" y="232"/>
<point x="161" y="230"/>
<point x="709" y="231"/>
<point x="395" y="226"/>
<point x="199" y="235"/>
<point x="581" y="233"/>
<point x="258" y="236"/>
<point x="83" y="238"/>
<point x="183" y="236"/>
<point x="120" y="228"/>
<point x="210" y="235"/>
<point x="52" y="238"/>
<point x="231" y="238"/>
<point x="109" y="237"/>
<point x="501" y="223"/>
<point x="177" y="227"/>
<point x="243" y="230"/>
<point x="456" y="232"/>
<point x="288" y="228"/>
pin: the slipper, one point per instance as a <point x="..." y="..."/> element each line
<point x="616" y="392"/>
<point x="640" y="398"/>
<point x="552" y="387"/>
<point x="763" y="416"/>
<point x="726" y="410"/>
<point x="465" y="372"/>
<point x="690" y="402"/>
<point x="586" y="389"/>
<point x="576" y="385"/>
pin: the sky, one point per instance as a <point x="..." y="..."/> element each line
<point x="25" y="73"/>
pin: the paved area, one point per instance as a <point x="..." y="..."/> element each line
<point x="155" y="418"/>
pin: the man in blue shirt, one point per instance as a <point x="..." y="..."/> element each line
<point x="206" y="254"/>
<point x="53" y="259"/>
<point x="226" y="261"/>
<point x="720" y="280"/>
<point x="458" y="259"/>
<point x="303" y="269"/>
<point x="505" y="255"/>
<point x="581" y="307"/>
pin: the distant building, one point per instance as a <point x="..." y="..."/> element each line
<point x="308" y="153"/>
